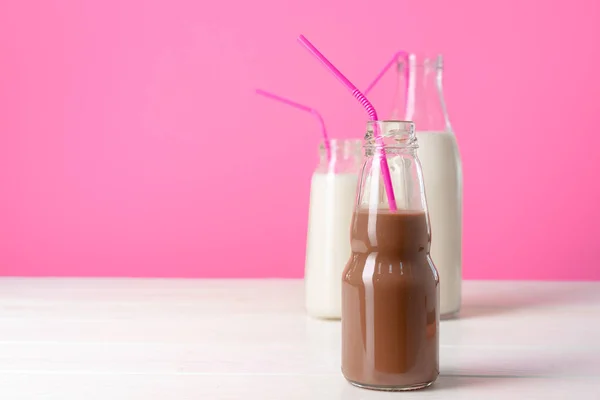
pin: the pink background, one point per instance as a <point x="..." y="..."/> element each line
<point x="131" y="142"/>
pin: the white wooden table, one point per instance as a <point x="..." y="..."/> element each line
<point x="112" y="339"/>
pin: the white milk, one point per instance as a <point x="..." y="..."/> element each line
<point x="332" y="201"/>
<point x="442" y="174"/>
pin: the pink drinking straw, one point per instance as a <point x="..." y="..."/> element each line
<point x="385" y="170"/>
<point x="302" y="107"/>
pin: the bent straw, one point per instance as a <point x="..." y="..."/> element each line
<point x="385" y="170"/>
<point x="302" y="107"/>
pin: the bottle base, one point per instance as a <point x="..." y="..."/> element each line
<point x="323" y="314"/>
<point x="322" y="317"/>
<point x="450" y="315"/>
<point x="392" y="388"/>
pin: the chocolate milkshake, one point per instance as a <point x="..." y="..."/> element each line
<point x="390" y="303"/>
<point x="390" y="287"/>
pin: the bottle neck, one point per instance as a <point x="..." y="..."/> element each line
<point x="344" y="156"/>
<point x="424" y="104"/>
<point x="394" y="137"/>
<point x="391" y="145"/>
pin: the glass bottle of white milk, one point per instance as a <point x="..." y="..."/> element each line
<point x="332" y="198"/>
<point x="440" y="159"/>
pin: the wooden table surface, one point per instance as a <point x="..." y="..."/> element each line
<point x="115" y="339"/>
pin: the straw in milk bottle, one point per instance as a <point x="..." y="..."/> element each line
<point x="332" y="202"/>
<point x="332" y="197"/>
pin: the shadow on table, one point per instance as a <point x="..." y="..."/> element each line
<point x="490" y="299"/>
<point x="453" y="382"/>
<point x="526" y="365"/>
<point x="457" y="382"/>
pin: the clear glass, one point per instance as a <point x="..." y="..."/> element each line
<point x="390" y="286"/>
<point x="424" y="104"/>
<point x="400" y="144"/>
<point x="332" y="198"/>
<point x="346" y="157"/>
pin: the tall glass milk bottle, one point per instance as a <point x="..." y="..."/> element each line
<point x="332" y="198"/>
<point x="442" y="172"/>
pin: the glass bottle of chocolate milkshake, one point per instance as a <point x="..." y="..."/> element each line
<point x="390" y="287"/>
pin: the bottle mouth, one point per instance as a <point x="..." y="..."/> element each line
<point x="428" y="61"/>
<point x="389" y="128"/>
<point x="390" y="133"/>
